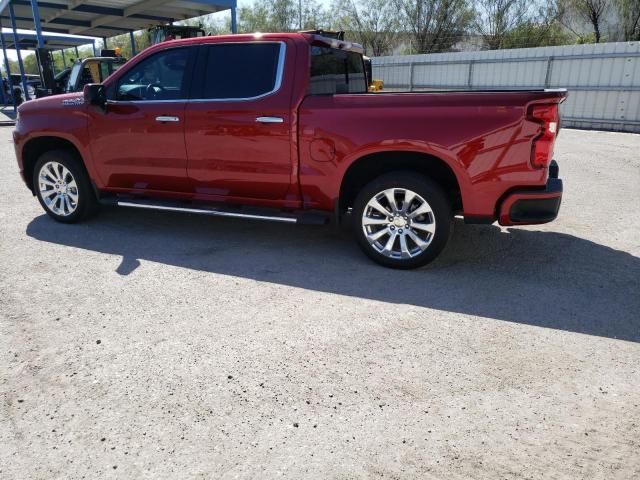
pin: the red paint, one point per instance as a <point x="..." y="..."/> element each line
<point x="218" y="152"/>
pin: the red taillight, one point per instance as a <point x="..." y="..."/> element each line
<point x="542" y="150"/>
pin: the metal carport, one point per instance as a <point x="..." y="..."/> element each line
<point x="102" y="18"/>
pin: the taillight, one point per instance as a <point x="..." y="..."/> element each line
<point x="542" y="149"/>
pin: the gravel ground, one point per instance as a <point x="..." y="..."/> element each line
<point x="157" y="345"/>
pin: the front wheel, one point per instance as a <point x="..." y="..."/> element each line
<point x="63" y="187"/>
<point x="402" y="220"/>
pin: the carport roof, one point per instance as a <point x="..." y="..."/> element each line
<point x="29" y="41"/>
<point x="107" y="18"/>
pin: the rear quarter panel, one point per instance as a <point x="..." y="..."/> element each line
<point x="484" y="137"/>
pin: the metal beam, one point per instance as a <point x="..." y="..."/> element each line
<point x="133" y="43"/>
<point x="6" y="66"/>
<point x="36" y="22"/>
<point x="234" y="21"/>
<point x="12" y="15"/>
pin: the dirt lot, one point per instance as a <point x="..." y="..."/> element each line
<point x="155" y="345"/>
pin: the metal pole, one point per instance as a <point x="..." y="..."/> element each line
<point x="64" y="60"/>
<point x="16" y="41"/>
<point x="77" y="53"/>
<point x="95" y="54"/>
<point x="104" y="42"/>
<point x="133" y="43"/>
<point x="36" y="22"/>
<point x="6" y="66"/>
<point x="299" y="13"/>
<point x="234" y="21"/>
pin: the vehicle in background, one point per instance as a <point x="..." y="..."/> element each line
<point x="281" y="127"/>
<point x="61" y="79"/>
<point x="163" y="33"/>
<point x="91" y="70"/>
<point x="33" y="83"/>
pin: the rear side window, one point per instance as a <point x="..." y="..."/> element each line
<point x="336" y="71"/>
<point x="241" y="70"/>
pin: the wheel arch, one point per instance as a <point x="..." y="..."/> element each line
<point x="371" y="165"/>
<point x="36" y="146"/>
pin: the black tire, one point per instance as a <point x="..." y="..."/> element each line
<point x="86" y="203"/>
<point x="440" y="217"/>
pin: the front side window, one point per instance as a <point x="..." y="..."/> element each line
<point x="240" y="70"/>
<point x="159" y="77"/>
<point x="336" y="71"/>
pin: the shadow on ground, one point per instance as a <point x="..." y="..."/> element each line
<point x="537" y="278"/>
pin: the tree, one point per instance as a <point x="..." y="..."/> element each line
<point x="592" y="12"/>
<point x="629" y="16"/>
<point x="515" y="23"/>
<point x="282" y="16"/>
<point x="373" y="23"/>
<point x="435" y="25"/>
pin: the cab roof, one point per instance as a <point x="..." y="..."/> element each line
<point x="313" y="39"/>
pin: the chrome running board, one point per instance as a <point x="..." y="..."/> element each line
<point x="303" y="217"/>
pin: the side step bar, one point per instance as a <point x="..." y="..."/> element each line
<point x="306" y="218"/>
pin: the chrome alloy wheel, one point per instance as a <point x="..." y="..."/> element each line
<point x="58" y="188"/>
<point x="398" y="223"/>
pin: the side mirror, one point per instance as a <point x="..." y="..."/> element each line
<point x="94" y="94"/>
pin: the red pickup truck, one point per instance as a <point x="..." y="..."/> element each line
<point x="281" y="127"/>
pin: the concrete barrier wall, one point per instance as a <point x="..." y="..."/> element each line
<point x="603" y="79"/>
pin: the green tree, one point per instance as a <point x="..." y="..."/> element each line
<point x="373" y="23"/>
<point x="435" y="25"/>
<point x="591" y="12"/>
<point x="514" y="23"/>
<point x="629" y="18"/>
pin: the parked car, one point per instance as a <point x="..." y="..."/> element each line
<point x="33" y="82"/>
<point x="281" y="127"/>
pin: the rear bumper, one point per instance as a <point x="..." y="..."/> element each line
<point x="532" y="207"/>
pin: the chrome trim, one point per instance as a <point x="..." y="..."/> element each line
<point x="203" y="211"/>
<point x="269" y="120"/>
<point x="276" y="87"/>
<point x="166" y="118"/>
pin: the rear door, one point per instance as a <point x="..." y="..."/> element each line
<point x="138" y="142"/>
<point x="238" y="123"/>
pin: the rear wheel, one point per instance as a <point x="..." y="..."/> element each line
<point x="63" y="187"/>
<point x="402" y="220"/>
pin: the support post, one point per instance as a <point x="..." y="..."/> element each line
<point x="77" y="53"/>
<point x="547" y="77"/>
<point x="411" y="68"/>
<point x="16" y="40"/>
<point x="36" y="23"/>
<point x="234" y="20"/>
<point x="132" y="39"/>
<point x="6" y="66"/>
<point x="64" y="60"/>
<point x="104" y="42"/>
<point x="95" y="53"/>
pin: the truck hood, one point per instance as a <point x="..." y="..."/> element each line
<point x="67" y="100"/>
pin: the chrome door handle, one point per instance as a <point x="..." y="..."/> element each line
<point x="269" y="120"/>
<point x="165" y="118"/>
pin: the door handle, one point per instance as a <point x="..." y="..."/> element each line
<point x="166" y="118"/>
<point x="269" y="120"/>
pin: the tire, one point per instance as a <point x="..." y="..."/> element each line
<point x="408" y="235"/>
<point x="63" y="187"/>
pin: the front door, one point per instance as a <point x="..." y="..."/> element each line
<point x="137" y="142"/>
<point x="238" y="125"/>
